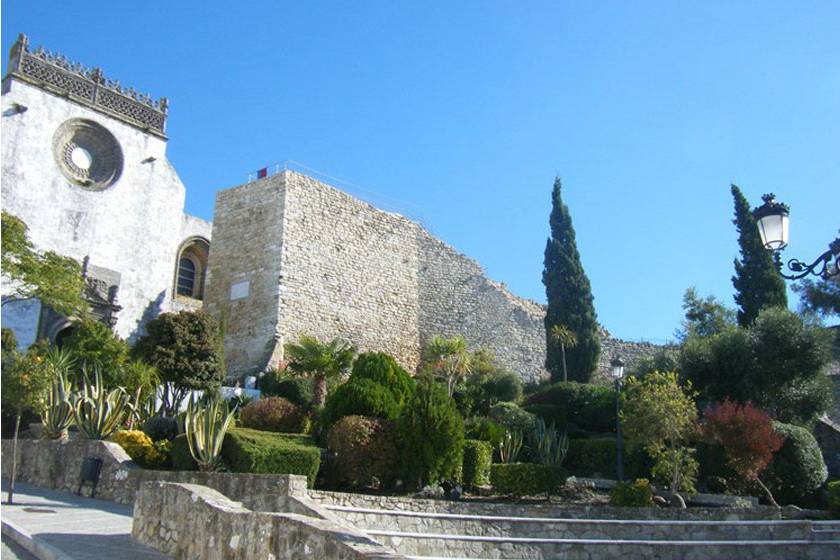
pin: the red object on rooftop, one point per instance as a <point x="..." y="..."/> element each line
<point x="262" y="173"/>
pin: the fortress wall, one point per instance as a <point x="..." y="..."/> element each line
<point x="244" y="269"/>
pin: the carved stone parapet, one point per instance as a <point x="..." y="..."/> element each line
<point x="87" y="86"/>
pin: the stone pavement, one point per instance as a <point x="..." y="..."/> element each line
<point x="59" y="526"/>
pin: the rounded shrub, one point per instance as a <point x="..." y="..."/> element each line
<point x="359" y="397"/>
<point x="431" y="435"/>
<point x="365" y="451"/>
<point x="632" y="494"/>
<point x="136" y="444"/>
<point x="484" y="429"/>
<point x="182" y="459"/>
<point x="161" y="427"/>
<point x="526" y="479"/>
<point x="276" y="383"/>
<point x="582" y="405"/>
<point x="511" y="417"/>
<point x="478" y="456"/>
<point x="798" y="468"/>
<point x="503" y="386"/>
<point x="274" y="414"/>
<point x="383" y="369"/>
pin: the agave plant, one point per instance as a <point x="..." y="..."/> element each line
<point x="57" y="414"/>
<point x="206" y="425"/>
<point x="98" y="413"/>
<point x="548" y="444"/>
<point x="510" y="447"/>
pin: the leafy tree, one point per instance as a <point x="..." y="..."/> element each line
<point x="431" y="434"/>
<point x="53" y="279"/>
<point x="704" y="316"/>
<point x="569" y="297"/>
<point x="321" y="361"/>
<point x="562" y="335"/>
<point x="821" y="298"/>
<point x="660" y="415"/>
<point x="184" y="349"/>
<point x="758" y="284"/>
<point x="95" y="347"/>
<point x="747" y="436"/>
<point x="25" y="381"/>
<point x="778" y="364"/>
<point x="447" y="358"/>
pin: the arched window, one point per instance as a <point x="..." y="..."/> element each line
<point x="186" y="277"/>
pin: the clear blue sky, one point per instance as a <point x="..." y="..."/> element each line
<point x="463" y="112"/>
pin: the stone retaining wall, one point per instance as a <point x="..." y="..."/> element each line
<point x="189" y="521"/>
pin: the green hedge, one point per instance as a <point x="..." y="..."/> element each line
<point x="384" y="370"/>
<point x="575" y="405"/>
<point x="587" y="457"/>
<point x="478" y="456"/>
<point x="253" y="451"/>
<point x="797" y="469"/>
<point x="526" y="479"/>
<point x="833" y="488"/>
<point x="632" y="494"/>
<point x="359" y="397"/>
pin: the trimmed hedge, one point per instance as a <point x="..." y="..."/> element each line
<point x="365" y="452"/>
<point x="478" y="456"/>
<point x="632" y="494"/>
<point x="359" y="397"/>
<point x="512" y="417"/>
<point x="253" y="451"/>
<point x="833" y="488"/>
<point x="526" y="479"/>
<point x="580" y="405"/>
<point x="587" y="457"/>
<point x="798" y="468"/>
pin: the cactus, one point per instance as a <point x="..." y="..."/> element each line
<point x="510" y="447"/>
<point x="549" y="445"/>
<point x="98" y="413"/>
<point x="206" y="426"/>
<point x="59" y="403"/>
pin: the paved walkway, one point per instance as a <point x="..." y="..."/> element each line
<point x="55" y="525"/>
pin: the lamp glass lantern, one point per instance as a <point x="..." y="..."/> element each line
<point x="617" y="365"/>
<point x="772" y="218"/>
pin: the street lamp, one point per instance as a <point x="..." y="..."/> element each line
<point x="617" y="366"/>
<point x="772" y="219"/>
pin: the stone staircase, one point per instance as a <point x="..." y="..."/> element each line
<point x="457" y="535"/>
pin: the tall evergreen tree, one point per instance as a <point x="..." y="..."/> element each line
<point x="569" y="298"/>
<point x="758" y="284"/>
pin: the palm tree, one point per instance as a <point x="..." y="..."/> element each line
<point x="449" y="358"/>
<point x="322" y="361"/>
<point x="562" y="335"/>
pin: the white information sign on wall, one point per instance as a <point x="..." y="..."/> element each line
<point x="240" y="290"/>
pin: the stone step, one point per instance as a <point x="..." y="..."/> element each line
<point x="429" y="546"/>
<point x="554" y="528"/>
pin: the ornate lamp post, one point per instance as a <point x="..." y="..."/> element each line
<point x="772" y="219"/>
<point x="617" y="366"/>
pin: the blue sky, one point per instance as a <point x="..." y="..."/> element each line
<point x="461" y="113"/>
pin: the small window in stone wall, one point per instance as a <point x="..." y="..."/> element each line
<point x="191" y="269"/>
<point x="186" y="277"/>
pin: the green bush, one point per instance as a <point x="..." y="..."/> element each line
<point x="384" y="370"/>
<point x="359" y="397"/>
<point x="526" y="479"/>
<point x="598" y="456"/>
<point x="274" y="414"/>
<point x="431" y="435"/>
<point x="632" y="494"/>
<point x="511" y="417"/>
<point x="277" y="383"/>
<point x="587" y="407"/>
<point x="484" y="429"/>
<point x="182" y="459"/>
<point x="797" y="469"/>
<point x="160" y="427"/>
<point x="833" y="489"/>
<point x="478" y="456"/>
<point x="253" y="451"/>
<point x="364" y="450"/>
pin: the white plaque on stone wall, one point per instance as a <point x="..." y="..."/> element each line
<point x="240" y="290"/>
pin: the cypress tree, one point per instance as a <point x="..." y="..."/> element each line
<point x="757" y="281"/>
<point x="569" y="298"/>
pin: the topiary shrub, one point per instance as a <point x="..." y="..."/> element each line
<point x="359" y="397"/>
<point x="136" y="444"/>
<point x="512" y="417"/>
<point x="587" y="407"/>
<point x="632" y="494"/>
<point x="384" y="370"/>
<point x="478" y="456"/>
<point x="161" y="427"/>
<point x="365" y="451"/>
<point x="431" y="435"/>
<point x="526" y="479"/>
<point x="833" y="489"/>
<point x="253" y="451"/>
<point x="797" y="469"/>
<point x="274" y="414"/>
<point x="484" y="429"/>
<point x="276" y="383"/>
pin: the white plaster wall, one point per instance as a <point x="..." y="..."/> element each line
<point x="133" y="227"/>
